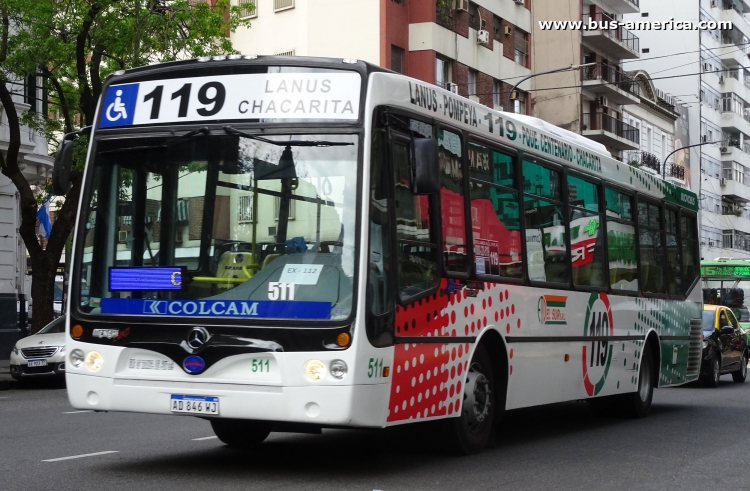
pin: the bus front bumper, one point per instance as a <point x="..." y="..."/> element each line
<point x="344" y="405"/>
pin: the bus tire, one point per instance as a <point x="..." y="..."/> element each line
<point x="740" y="375"/>
<point x="241" y="433"/>
<point x="638" y="404"/>
<point x="470" y="432"/>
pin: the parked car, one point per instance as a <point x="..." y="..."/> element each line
<point x="724" y="346"/>
<point x="42" y="353"/>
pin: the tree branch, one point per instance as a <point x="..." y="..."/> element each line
<point x="6" y="29"/>
<point x="96" y="79"/>
<point x="87" y="101"/>
<point x="9" y="166"/>
<point x="61" y="96"/>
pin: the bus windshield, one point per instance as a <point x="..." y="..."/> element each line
<point x="221" y="226"/>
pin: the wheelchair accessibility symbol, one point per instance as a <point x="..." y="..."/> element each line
<point x="118" y="108"/>
<point x="119" y="105"/>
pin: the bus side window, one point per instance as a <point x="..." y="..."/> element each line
<point x="623" y="264"/>
<point x="673" y="263"/>
<point x="586" y="233"/>
<point x="378" y="283"/>
<point x="452" y="210"/>
<point x="651" y="247"/>
<point x="546" y="240"/>
<point x="417" y="251"/>
<point x="690" y="257"/>
<point x="495" y="213"/>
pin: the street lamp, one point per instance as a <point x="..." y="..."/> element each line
<point x="664" y="167"/>
<point x="565" y="69"/>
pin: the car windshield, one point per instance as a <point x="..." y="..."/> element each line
<point x="709" y="317"/>
<point x="54" y="327"/>
<point x="221" y="226"/>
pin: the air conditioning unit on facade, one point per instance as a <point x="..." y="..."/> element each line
<point x="507" y="30"/>
<point x="483" y="37"/>
<point x="452" y="87"/>
<point x="704" y="139"/>
<point x="603" y="101"/>
<point x="713" y="3"/>
<point x="724" y="150"/>
<point x="721" y="79"/>
<point x="723" y="181"/>
<point x="520" y="2"/>
<point x="462" y="5"/>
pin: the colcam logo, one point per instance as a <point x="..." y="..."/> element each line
<point x="193" y="364"/>
<point x="202" y="307"/>
<point x="551" y="309"/>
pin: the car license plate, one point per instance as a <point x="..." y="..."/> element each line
<point x="194" y="404"/>
<point x="37" y="363"/>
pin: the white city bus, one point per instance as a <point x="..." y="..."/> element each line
<point x="279" y="243"/>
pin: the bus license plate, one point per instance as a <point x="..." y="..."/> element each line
<point x="37" y="363"/>
<point x="194" y="404"/>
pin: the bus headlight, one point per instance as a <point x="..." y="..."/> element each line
<point x="339" y="369"/>
<point x="76" y="357"/>
<point x="94" y="360"/>
<point x="314" y="370"/>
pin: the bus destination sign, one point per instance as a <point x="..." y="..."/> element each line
<point x="333" y="96"/>
<point x="725" y="271"/>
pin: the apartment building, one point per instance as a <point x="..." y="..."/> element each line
<point x="654" y="119"/>
<point x="591" y="100"/>
<point x="477" y="49"/>
<point x="708" y="69"/>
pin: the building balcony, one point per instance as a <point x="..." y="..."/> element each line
<point x="610" y="82"/>
<point x="33" y="157"/>
<point x="609" y="131"/>
<point x="735" y="53"/>
<point x="731" y="121"/>
<point x="729" y="81"/>
<point x="737" y="239"/>
<point x="733" y="189"/>
<point x="619" y="44"/>
<point x="621" y="6"/>
<point x="734" y="154"/>
<point x="730" y="13"/>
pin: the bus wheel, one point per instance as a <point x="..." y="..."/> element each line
<point x="470" y="432"/>
<point x="241" y="433"/>
<point x="640" y="401"/>
<point x="740" y="375"/>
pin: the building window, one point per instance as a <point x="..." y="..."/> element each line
<point x="497" y="28"/>
<point x="245" y="209"/>
<point x="249" y="8"/>
<point x="522" y="48"/>
<point x="472" y="82"/>
<point x="279" y="5"/>
<point x="473" y="16"/>
<point x="497" y="93"/>
<point x="397" y="59"/>
<point x="277" y="205"/>
<point x="442" y="72"/>
<point x="519" y="103"/>
<point x="29" y="93"/>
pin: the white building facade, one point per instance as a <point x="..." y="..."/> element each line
<point x="708" y="70"/>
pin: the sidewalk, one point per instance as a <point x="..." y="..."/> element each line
<point x="6" y="381"/>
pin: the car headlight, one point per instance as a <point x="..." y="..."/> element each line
<point x="15" y="350"/>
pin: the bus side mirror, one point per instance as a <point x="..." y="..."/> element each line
<point x="425" y="169"/>
<point x="61" y="169"/>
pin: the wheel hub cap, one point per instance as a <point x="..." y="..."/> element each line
<point x="476" y="398"/>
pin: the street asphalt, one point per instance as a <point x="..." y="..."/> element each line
<point x="695" y="438"/>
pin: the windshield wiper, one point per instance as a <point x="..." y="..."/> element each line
<point x="200" y="131"/>
<point x="290" y="143"/>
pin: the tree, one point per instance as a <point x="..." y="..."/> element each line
<point x="73" y="45"/>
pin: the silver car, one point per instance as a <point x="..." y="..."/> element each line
<point x="42" y="353"/>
